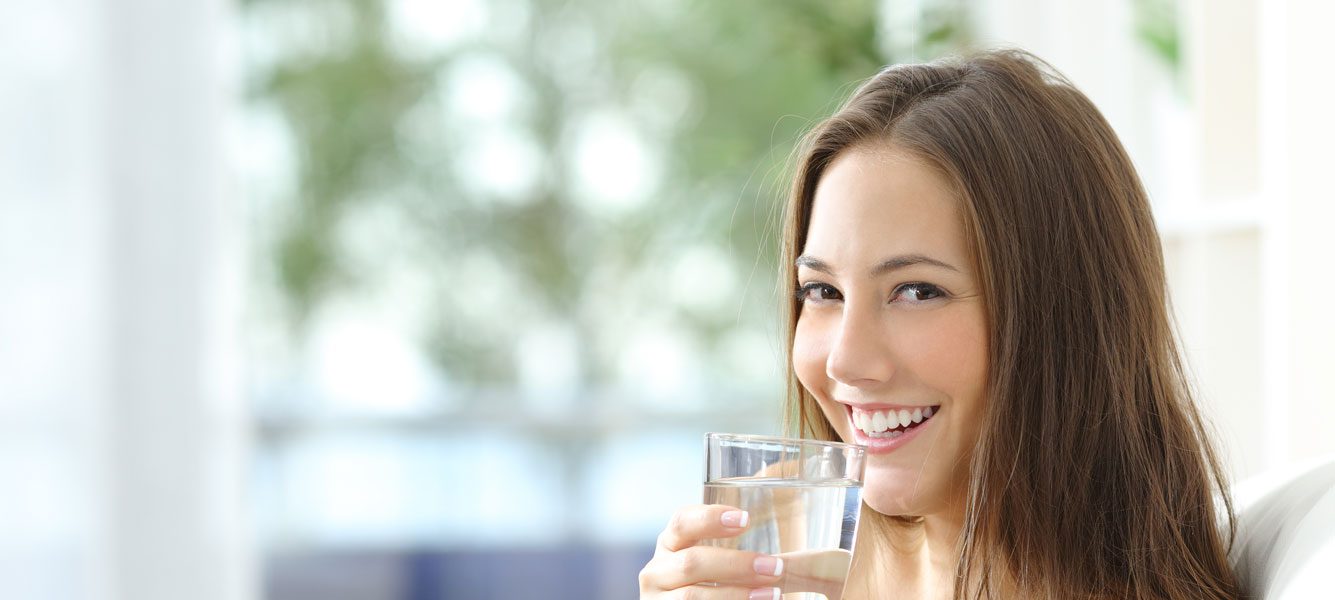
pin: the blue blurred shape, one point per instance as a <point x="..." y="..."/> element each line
<point x="568" y="573"/>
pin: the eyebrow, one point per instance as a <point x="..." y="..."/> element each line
<point x="881" y="268"/>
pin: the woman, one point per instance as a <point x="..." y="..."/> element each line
<point x="968" y="241"/>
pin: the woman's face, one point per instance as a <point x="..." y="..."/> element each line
<point x="892" y="334"/>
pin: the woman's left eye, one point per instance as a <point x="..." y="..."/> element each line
<point x="917" y="292"/>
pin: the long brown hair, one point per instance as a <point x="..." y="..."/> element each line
<point x="1094" y="476"/>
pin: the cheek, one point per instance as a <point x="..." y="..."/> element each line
<point x="949" y="353"/>
<point x="811" y="349"/>
<point x="810" y="352"/>
<point x="953" y="362"/>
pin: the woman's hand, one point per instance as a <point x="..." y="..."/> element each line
<point x="682" y="570"/>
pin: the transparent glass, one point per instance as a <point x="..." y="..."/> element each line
<point x="803" y="499"/>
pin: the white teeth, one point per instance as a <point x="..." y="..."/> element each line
<point x="878" y="423"/>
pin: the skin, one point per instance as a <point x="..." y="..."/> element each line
<point x="912" y="333"/>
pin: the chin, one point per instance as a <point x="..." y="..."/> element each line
<point x="898" y="492"/>
<point x="890" y="503"/>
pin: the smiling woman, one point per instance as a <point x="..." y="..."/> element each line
<point x="979" y="298"/>
<point x="891" y="329"/>
<point x="1066" y="457"/>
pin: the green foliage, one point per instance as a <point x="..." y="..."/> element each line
<point x="720" y="91"/>
<point x="1157" y="28"/>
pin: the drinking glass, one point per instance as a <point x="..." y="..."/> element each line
<point x="803" y="499"/>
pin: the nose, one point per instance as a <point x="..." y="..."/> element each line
<point x="861" y="356"/>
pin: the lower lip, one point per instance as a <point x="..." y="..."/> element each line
<point x="884" y="445"/>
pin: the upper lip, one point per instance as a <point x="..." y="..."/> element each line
<point x="870" y="406"/>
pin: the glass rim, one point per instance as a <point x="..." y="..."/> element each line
<point x="769" y="439"/>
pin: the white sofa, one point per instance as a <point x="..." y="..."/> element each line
<point x="1285" y="547"/>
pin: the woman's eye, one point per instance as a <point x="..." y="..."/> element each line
<point x="817" y="292"/>
<point x="917" y="292"/>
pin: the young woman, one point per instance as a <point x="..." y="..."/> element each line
<point x="979" y="298"/>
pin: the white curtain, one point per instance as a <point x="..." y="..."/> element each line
<point x="122" y="429"/>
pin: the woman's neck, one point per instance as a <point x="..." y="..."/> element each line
<point x="903" y="558"/>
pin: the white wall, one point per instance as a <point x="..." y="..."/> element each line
<point x="1298" y="126"/>
<point x="1253" y="254"/>
<point x="121" y="427"/>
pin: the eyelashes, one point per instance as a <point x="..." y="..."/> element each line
<point x="816" y="292"/>
<point x="920" y="291"/>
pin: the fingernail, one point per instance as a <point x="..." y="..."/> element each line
<point x="764" y="594"/>
<point x="735" y="518"/>
<point x="768" y="565"/>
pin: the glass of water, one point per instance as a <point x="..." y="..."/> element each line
<point x="803" y="499"/>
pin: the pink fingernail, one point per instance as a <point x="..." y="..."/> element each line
<point x="764" y="594"/>
<point x="735" y="518"/>
<point x="768" y="565"/>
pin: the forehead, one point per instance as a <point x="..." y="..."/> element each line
<point x="872" y="202"/>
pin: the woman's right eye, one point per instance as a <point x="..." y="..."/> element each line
<point x="816" y="291"/>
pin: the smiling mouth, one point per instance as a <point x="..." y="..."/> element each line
<point x="890" y="423"/>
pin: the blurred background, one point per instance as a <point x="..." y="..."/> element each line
<point x="434" y="299"/>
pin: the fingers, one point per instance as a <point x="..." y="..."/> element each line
<point x="682" y="570"/>
<point x="703" y="592"/>
<point x="716" y="565"/>
<point x="690" y="524"/>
